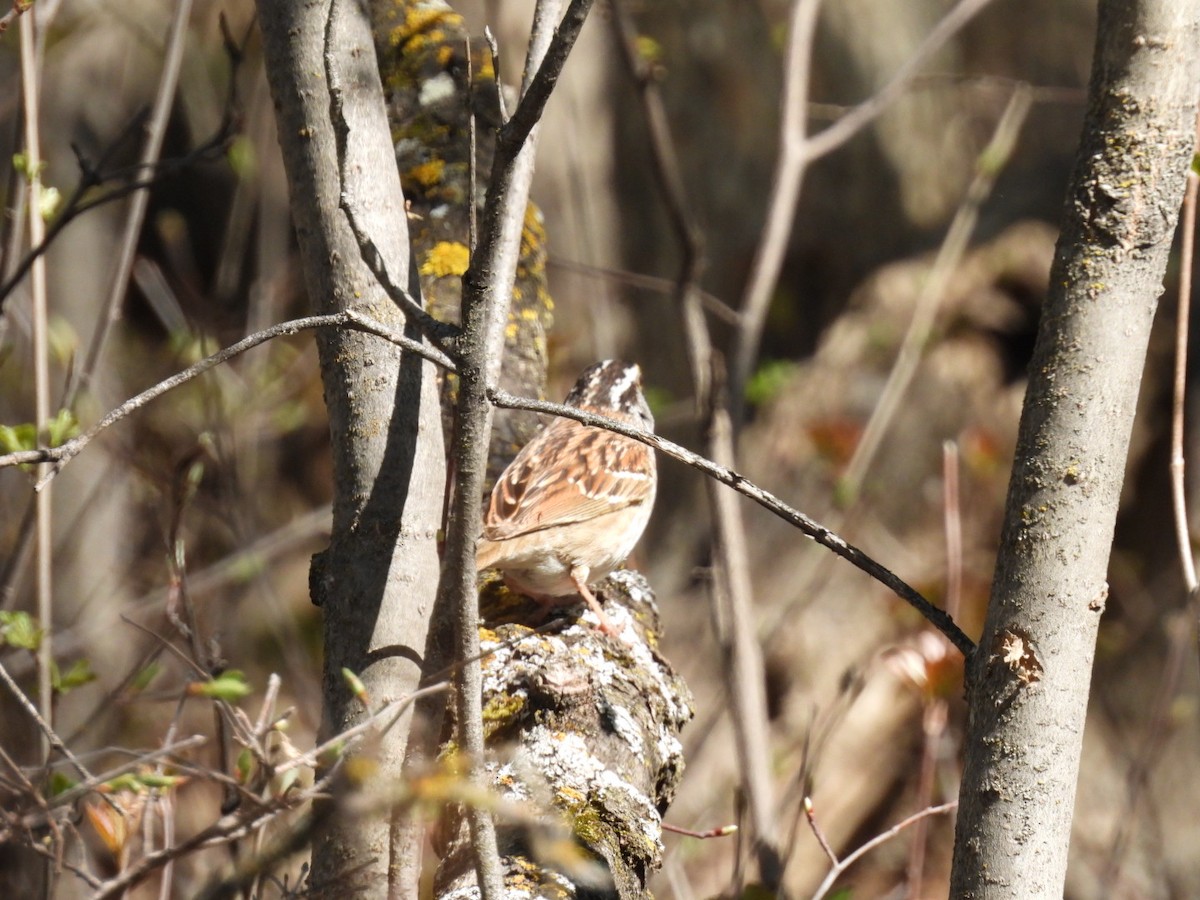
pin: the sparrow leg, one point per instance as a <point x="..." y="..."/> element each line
<point x="579" y="576"/>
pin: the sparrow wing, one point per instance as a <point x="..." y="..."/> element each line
<point x="569" y="473"/>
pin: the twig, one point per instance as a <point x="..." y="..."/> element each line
<point x="732" y="610"/>
<point x="819" y="533"/>
<point x="841" y="866"/>
<point x="817" y="831"/>
<point x="514" y="133"/>
<point x="436" y="331"/>
<point x="719" y="831"/>
<point x="347" y="737"/>
<point x="785" y="193"/>
<point x="486" y="289"/>
<point x="712" y="303"/>
<point x="952" y="519"/>
<point x="1187" y="232"/>
<point x="85" y="787"/>
<point x="156" y="128"/>
<point x="51" y="739"/>
<point x="798" y="151"/>
<point x="349" y="318"/>
<point x="991" y="161"/>
<point x="90" y="178"/>
<point x="30" y="99"/>
<point x="870" y="109"/>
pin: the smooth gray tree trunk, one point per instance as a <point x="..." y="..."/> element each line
<point x="1030" y="677"/>
<point x="376" y="582"/>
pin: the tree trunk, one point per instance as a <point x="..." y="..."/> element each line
<point x="376" y="581"/>
<point x="1030" y="678"/>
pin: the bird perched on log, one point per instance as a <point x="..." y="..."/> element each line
<point x="574" y="502"/>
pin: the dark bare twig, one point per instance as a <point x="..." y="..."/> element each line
<point x="819" y="533"/>
<point x="719" y="831"/>
<point x="439" y="333"/>
<point x="818" y="832"/>
<point x="514" y="133"/>
<point x="93" y="176"/>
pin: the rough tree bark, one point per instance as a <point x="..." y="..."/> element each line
<point x="1030" y="677"/>
<point x="376" y="581"/>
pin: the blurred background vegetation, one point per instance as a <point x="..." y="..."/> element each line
<point x="866" y="703"/>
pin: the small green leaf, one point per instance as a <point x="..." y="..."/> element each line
<point x="20" y="629"/>
<point x="126" y="782"/>
<point x="244" y="765"/>
<point x="78" y="675"/>
<point x="142" y="680"/>
<point x="356" y="686"/>
<point x="287" y="780"/>
<point x="770" y="379"/>
<point x="242" y="158"/>
<point x="159" y="782"/>
<point x="50" y="201"/>
<point x="63" y="340"/>
<point x="229" y="686"/>
<point x="60" y="783"/>
<point x="648" y="49"/>
<point x="21" y="164"/>
<point x="15" y="438"/>
<point x="62" y="427"/>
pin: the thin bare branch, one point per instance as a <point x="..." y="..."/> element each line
<point x="156" y="129"/>
<point x="875" y="842"/>
<point x="52" y="740"/>
<point x="350" y="318"/>
<point x="1187" y="234"/>
<point x="870" y="109"/>
<point x="30" y="107"/>
<point x="713" y="304"/>
<point x="487" y="287"/>
<point x="785" y="194"/>
<point x="991" y="161"/>
<point x="732" y="607"/>
<point x="819" y="533"/>
<point x="514" y="133"/>
<point x="818" y="832"/>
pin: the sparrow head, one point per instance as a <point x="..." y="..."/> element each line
<point x="613" y="388"/>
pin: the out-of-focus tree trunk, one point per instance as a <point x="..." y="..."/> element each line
<point x="376" y="581"/>
<point x="1030" y="677"/>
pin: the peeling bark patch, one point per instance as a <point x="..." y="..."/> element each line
<point x="1097" y="603"/>
<point x="1014" y="649"/>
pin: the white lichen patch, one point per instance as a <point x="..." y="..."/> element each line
<point x="566" y="763"/>
<point x="507" y="782"/>
<point x="668" y="746"/>
<point x="436" y="89"/>
<point x="625" y="726"/>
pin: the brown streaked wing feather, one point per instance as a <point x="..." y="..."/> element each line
<point x="538" y="490"/>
